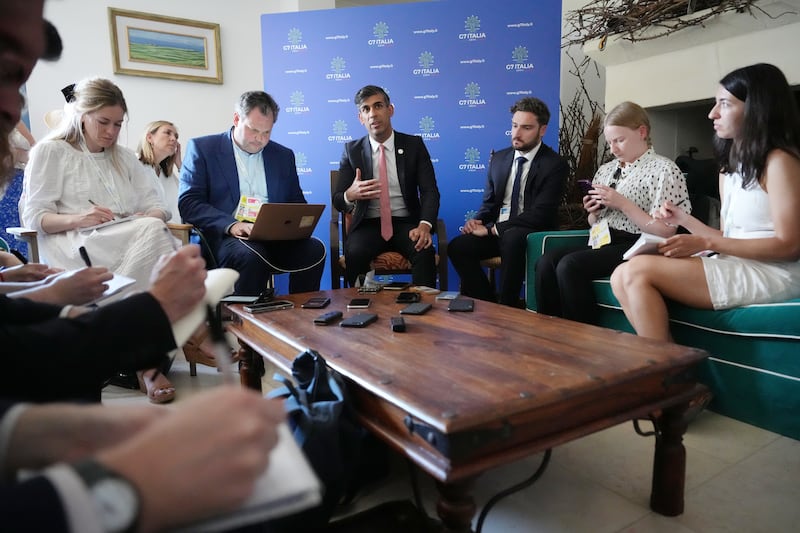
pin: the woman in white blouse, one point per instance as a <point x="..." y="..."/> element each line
<point x="160" y="151"/>
<point x="77" y="179"/>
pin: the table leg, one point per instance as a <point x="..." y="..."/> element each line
<point x="669" y="463"/>
<point x="456" y="506"/>
<point x="251" y="367"/>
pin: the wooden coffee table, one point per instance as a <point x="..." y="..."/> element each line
<point x="461" y="393"/>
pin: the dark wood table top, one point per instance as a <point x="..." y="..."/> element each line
<point x="456" y="371"/>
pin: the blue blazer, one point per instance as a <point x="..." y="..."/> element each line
<point x="209" y="184"/>
<point x="414" y="172"/>
<point x="543" y="190"/>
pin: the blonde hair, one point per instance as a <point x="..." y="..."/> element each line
<point x="91" y="94"/>
<point x="145" y="149"/>
<point x="629" y="115"/>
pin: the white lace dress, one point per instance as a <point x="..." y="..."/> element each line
<point x="62" y="179"/>
<point x="733" y="281"/>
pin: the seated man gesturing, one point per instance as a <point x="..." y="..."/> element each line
<point x="386" y="180"/>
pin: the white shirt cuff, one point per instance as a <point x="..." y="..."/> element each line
<point x="78" y="503"/>
<point x="6" y="430"/>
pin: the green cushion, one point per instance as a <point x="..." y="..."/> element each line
<point x="754" y="363"/>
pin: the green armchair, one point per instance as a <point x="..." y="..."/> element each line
<point x="753" y="368"/>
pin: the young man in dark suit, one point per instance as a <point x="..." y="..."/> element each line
<point x="221" y="170"/>
<point x="522" y="195"/>
<point x="386" y="180"/>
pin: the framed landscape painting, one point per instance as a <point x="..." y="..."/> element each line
<point x="156" y="46"/>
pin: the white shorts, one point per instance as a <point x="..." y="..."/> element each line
<point x="733" y="281"/>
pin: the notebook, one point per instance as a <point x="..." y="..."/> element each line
<point x="285" y="222"/>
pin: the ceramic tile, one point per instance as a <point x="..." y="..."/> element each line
<point x="739" y="477"/>
<point x="726" y="438"/>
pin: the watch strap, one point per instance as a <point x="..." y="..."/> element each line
<point x="92" y="472"/>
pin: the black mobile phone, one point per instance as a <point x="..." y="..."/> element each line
<point x="317" y="302"/>
<point x="408" y="297"/>
<point x="461" y="304"/>
<point x="398" y="324"/>
<point x="358" y="303"/>
<point x="396" y="286"/>
<point x="361" y="320"/>
<point x="327" y="318"/>
<point x="419" y="308"/>
<point x="274" y="305"/>
<point x="239" y="299"/>
<point x="586" y="186"/>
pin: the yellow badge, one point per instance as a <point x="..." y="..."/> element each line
<point x="599" y="235"/>
<point x="247" y="211"/>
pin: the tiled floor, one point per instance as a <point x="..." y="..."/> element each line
<point x="739" y="478"/>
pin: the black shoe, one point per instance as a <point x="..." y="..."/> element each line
<point x="127" y="381"/>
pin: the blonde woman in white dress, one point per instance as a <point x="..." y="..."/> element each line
<point x="78" y="177"/>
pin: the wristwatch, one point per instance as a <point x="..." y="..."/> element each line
<point x="489" y="226"/>
<point x="116" y="500"/>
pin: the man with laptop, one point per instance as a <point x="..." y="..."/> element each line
<point x="228" y="185"/>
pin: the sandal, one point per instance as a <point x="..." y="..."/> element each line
<point x="156" y="386"/>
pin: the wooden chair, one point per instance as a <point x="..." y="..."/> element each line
<point x="30" y="236"/>
<point x="387" y="263"/>
<point x="492" y="265"/>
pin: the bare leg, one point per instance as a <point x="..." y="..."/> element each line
<point x="642" y="285"/>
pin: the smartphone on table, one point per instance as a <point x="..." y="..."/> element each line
<point x="361" y="320"/>
<point x="396" y="286"/>
<point x="358" y="303"/>
<point x="461" y="304"/>
<point x="408" y="297"/>
<point x="274" y="305"/>
<point x="317" y="302"/>
<point x="419" y="308"/>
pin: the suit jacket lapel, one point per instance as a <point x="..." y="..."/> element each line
<point x="227" y="167"/>
<point x="504" y="165"/>
<point x="400" y="161"/>
<point x="366" y="152"/>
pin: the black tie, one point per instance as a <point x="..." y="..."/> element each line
<point x="515" y="189"/>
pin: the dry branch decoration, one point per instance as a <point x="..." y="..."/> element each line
<point x="641" y="20"/>
<point x="578" y="141"/>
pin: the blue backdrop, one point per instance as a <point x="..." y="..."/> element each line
<point x="452" y="70"/>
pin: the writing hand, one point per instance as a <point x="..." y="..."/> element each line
<point x="178" y="281"/>
<point x="94" y="216"/>
<point x="670" y="213"/>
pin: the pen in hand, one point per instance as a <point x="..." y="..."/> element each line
<point x="85" y="256"/>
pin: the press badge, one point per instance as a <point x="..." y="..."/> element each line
<point x="599" y="235"/>
<point x="247" y="211"/>
<point x="505" y="214"/>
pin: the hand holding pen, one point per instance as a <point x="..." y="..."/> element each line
<point x="97" y="214"/>
<point x="670" y="213"/>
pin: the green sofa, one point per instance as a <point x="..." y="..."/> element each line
<point x="754" y="363"/>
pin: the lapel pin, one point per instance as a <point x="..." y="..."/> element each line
<point x="400" y="151"/>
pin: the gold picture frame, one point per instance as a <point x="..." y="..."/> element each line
<point x="155" y="46"/>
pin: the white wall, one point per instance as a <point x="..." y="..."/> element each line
<point x="196" y="108"/>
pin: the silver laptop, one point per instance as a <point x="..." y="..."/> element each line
<point x="285" y="222"/>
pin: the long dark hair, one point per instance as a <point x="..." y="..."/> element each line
<point x="771" y="121"/>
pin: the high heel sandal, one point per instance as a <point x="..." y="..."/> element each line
<point x="156" y="394"/>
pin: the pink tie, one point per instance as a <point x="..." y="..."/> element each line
<point x="386" y="208"/>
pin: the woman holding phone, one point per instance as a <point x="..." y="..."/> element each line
<point x="757" y="144"/>
<point x="620" y="203"/>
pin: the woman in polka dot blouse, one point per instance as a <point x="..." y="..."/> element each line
<point x="625" y="194"/>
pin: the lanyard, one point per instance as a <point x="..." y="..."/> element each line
<point x="107" y="185"/>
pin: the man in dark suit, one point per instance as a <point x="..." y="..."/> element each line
<point x="386" y="180"/>
<point x="522" y="195"/>
<point x="225" y="172"/>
